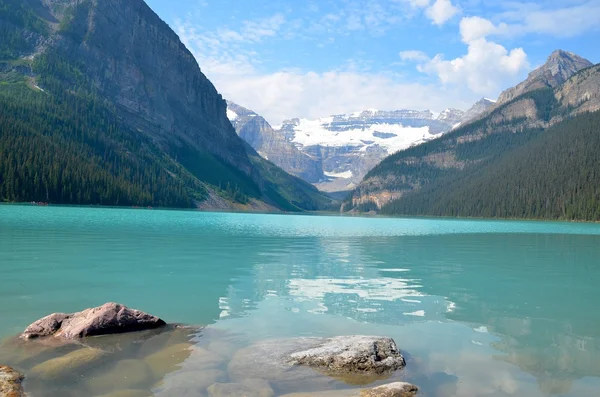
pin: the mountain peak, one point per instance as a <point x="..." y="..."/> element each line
<point x="559" y="67"/>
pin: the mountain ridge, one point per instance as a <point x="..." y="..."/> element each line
<point x="503" y="129"/>
<point x="121" y="57"/>
<point x="335" y="152"/>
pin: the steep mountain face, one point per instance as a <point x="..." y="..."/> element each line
<point x="335" y="152"/>
<point x="452" y="116"/>
<point x="118" y="63"/>
<point x="417" y="180"/>
<point x="273" y="145"/>
<point x="561" y="65"/>
<point x="480" y="108"/>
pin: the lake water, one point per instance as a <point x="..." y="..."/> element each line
<point x="480" y="308"/>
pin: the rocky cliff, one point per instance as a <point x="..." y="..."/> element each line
<point x="272" y="145"/>
<point x="117" y="60"/>
<point x="559" y="67"/>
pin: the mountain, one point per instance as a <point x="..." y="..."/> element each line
<point x="559" y="67"/>
<point x="422" y="179"/>
<point x="452" y="116"/>
<point x="103" y="104"/>
<point x="555" y="175"/>
<point x="273" y="145"/>
<point x="334" y="153"/>
<point x="480" y="107"/>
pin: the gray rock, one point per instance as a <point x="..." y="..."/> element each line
<point x="110" y="318"/>
<point x="289" y="360"/>
<point x="352" y="354"/>
<point x="10" y="382"/>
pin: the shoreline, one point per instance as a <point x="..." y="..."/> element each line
<point x="306" y="213"/>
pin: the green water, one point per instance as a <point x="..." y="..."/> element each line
<point x="480" y="308"/>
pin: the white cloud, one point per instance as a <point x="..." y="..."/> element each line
<point x="565" y="22"/>
<point x="229" y="62"/>
<point x="441" y="11"/>
<point x="413" y="56"/>
<point x="473" y="28"/>
<point x="254" y="31"/>
<point x="487" y="67"/>
<point x="286" y="94"/>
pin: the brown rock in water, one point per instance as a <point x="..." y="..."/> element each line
<point x="169" y="359"/>
<point x="68" y="365"/>
<point x="110" y="318"/>
<point x="10" y="382"/>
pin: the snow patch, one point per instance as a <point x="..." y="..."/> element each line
<point x="316" y="133"/>
<point x="490" y="100"/>
<point x="343" y="175"/>
<point x="231" y="115"/>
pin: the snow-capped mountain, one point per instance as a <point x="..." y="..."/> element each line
<point x="346" y="146"/>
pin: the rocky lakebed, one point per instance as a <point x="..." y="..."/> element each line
<point x="114" y="351"/>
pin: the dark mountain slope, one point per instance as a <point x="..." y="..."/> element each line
<point x="118" y="87"/>
<point x="556" y="175"/>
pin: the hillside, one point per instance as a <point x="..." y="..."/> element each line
<point x="442" y="163"/>
<point x="555" y="175"/>
<point x="103" y="104"/>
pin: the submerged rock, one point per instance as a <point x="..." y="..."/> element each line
<point x="10" y="382"/>
<point x="190" y="381"/>
<point x="248" y="388"/>
<point x="124" y="375"/>
<point x="169" y="359"/>
<point x="129" y="393"/>
<point x="68" y="365"/>
<point x="355" y="357"/>
<point x="398" y="389"/>
<point x="317" y="363"/>
<point x="110" y="318"/>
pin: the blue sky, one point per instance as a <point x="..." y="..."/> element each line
<point x="313" y="58"/>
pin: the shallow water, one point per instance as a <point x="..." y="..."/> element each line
<point x="480" y="308"/>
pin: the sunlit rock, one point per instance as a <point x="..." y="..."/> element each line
<point x="10" y="382"/>
<point x="110" y="318"/>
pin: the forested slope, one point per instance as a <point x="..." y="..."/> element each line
<point x="102" y="104"/>
<point x="556" y="175"/>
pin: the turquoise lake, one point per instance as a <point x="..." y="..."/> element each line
<point x="480" y="308"/>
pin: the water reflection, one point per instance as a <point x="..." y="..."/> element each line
<point x="513" y="295"/>
<point x="484" y="314"/>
